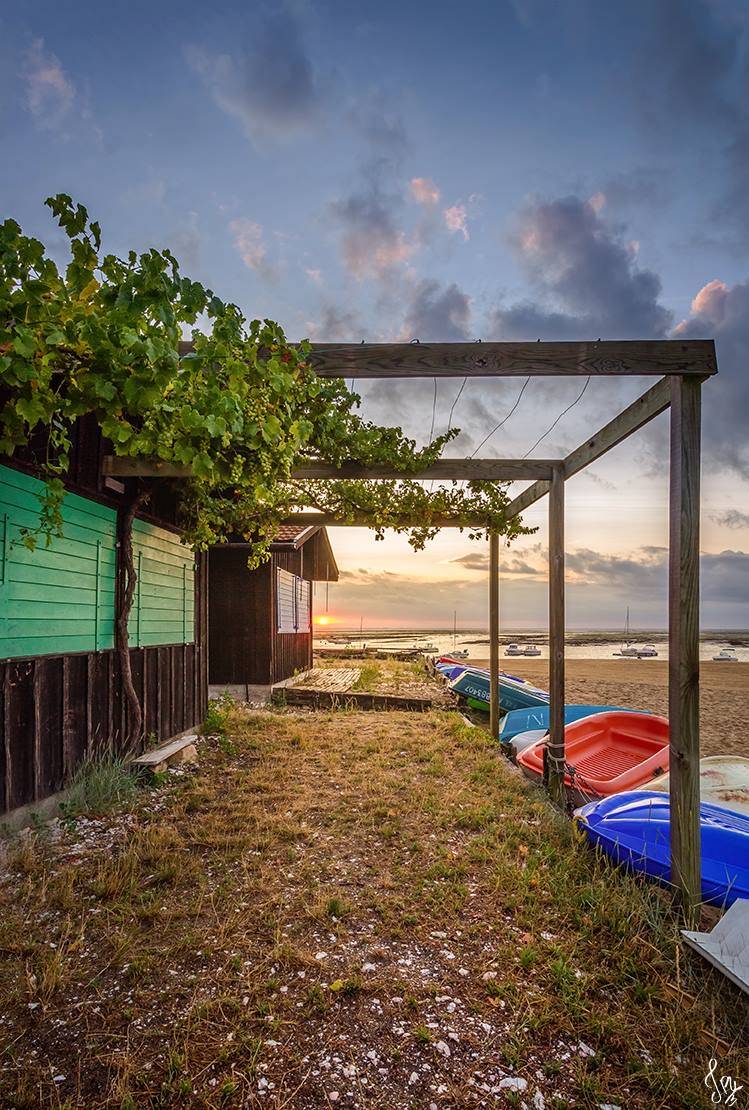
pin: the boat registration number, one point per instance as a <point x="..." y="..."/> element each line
<point x="476" y="693"/>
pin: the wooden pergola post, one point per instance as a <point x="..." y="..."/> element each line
<point x="494" y="635"/>
<point x="683" y="643"/>
<point x="555" y="747"/>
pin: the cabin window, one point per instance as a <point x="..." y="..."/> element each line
<point x="293" y="602"/>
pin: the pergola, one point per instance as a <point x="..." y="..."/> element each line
<point x="681" y="366"/>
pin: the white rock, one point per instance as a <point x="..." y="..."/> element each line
<point x="334" y="1095"/>
<point x="443" y="1048"/>
<point x="489" y="975"/>
<point x="539" y="1102"/>
<point x="585" y="1049"/>
<point x="369" y="967"/>
<point x="513" y="1083"/>
<point x="413" y="1078"/>
<point x="321" y="955"/>
<point x="463" y="971"/>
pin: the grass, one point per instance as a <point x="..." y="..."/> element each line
<point x="102" y="783"/>
<point x="361" y="903"/>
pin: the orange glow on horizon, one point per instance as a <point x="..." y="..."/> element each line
<point x="324" y="620"/>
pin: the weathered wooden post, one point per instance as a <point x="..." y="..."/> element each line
<point x="555" y="747"/>
<point x="494" y="635"/>
<point x="683" y="642"/>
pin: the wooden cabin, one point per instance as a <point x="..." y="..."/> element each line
<point x="60" y="690"/>
<point x="260" y="621"/>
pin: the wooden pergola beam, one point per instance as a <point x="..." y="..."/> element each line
<point x="330" y="520"/>
<point x="605" y="358"/>
<point x="498" y="470"/>
<point x="651" y="404"/>
<point x="555" y="747"/>
<point x="684" y="645"/>
<point x="494" y="635"/>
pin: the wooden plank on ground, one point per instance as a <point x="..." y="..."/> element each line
<point x="350" y="699"/>
<point x="332" y="678"/>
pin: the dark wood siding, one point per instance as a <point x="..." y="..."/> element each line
<point x="245" y="646"/>
<point x="240" y="609"/>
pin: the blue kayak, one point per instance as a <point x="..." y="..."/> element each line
<point x="514" y="693"/>
<point x="451" y="670"/>
<point x="633" y="829"/>
<point x="522" y="720"/>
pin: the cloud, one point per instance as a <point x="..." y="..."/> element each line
<point x="456" y="219"/>
<point x="721" y="311"/>
<point x="586" y="277"/>
<point x="248" y="239"/>
<point x="335" y="325"/>
<point x="474" y="560"/>
<point x="731" y="518"/>
<point x="424" y="191"/>
<point x="271" y="88"/>
<point x="599" y="587"/>
<point x="436" y="314"/>
<point x="380" y="125"/>
<point x="50" y="93"/>
<point x="372" y="244"/>
<point x="643" y="186"/>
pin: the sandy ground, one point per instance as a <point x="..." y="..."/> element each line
<point x="643" y="684"/>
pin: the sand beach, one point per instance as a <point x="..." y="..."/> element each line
<point x="643" y="683"/>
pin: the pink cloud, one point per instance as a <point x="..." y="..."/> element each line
<point x="709" y="304"/>
<point x="456" y="219"/>
<point x="49" y="91"/>
<point x="248" y="239"/>
<point x="424" y="191"/>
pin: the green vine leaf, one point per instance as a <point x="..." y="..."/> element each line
<point x="242" y="409"/>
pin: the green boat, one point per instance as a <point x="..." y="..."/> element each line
<point x="514" y="693"/>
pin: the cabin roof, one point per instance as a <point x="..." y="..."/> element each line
<point x="318" y="554"/>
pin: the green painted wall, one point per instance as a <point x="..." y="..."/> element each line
<point x="58" y="598"/>
<point x="164" y="604"/>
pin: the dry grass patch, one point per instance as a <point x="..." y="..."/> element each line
<point x="372" y="906"/>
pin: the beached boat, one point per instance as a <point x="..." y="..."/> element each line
<point x="724" y="781"/>
<point x="450" y="669"/>
<point x="607" y="753"/>
<point x="514" y="693"/>
<point x="630" y="650"/>
<point x="726" y="655"/>
<point x="520" y="720"/>
<point x="513" y="649"/>
<point x="531" y="649"/>
<point x="634" y="830"/>
<point x="517" y="650"/>
<point x="524" y="740"/>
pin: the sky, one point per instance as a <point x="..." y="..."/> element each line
<point x="512" y="169"/>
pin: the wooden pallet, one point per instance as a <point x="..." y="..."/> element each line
<point x="350" y="699"/>
<point x="331" y="680"/>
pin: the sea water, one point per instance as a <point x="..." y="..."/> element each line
<point x="579" y="645"/>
